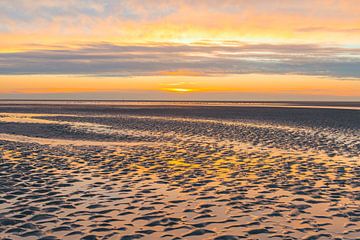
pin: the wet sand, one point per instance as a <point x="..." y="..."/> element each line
<point x="97" y="171"/>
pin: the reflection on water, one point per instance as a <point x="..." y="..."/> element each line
<point x="79" y="124"/>
<point x="52" y="141"/>
<point x="188" y="182"/>
<point x="190" y="189"/>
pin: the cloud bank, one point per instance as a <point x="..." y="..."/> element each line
<point x="115" y="61"/>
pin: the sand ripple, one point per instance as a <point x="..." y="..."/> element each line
<point x="176" y="178"/>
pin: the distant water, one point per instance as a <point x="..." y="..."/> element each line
<point x="286" y="104"/>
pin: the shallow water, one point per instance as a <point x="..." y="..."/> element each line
<point x="282" y="104"/>
<point x="125" y="175"/>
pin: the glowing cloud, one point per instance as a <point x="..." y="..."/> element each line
<point x="133" y="45"/>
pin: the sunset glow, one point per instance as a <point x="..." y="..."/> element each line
<point x="300" y="50"/>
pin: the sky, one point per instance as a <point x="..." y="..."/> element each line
<point x="180" y="50"/>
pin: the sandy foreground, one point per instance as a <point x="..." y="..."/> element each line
<point x="97" y="171"/>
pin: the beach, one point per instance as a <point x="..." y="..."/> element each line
<point x="100" y="170"/>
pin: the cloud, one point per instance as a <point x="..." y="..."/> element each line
<point x="180" y="20"/>
<point x="328" y="29"/>
<point x="181" y="72"/>
<point x="186" y="60"/>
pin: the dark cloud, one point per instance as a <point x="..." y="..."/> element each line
<point x="113" y="60"/>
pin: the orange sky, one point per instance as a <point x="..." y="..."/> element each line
<point x="302" y="49"/>
<point x="244" y="83"/>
